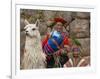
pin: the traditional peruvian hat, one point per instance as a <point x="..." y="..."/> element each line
<point x="60" y="20"/>
<point x="52" y="22"/>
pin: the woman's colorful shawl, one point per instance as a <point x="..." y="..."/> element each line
<point x="54" y="41"/>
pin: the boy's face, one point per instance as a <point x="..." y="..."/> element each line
<point x="59" y="26"/>
<point x="75" y="53"/>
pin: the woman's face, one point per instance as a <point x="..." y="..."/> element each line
<point x="59" y="26"/>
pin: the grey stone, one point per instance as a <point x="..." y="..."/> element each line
<point x="80" y="28"/>
<point x="22" y="45"/>
<point x="42" y="28"/>
<point x="22" y="38"/>
<point x="85" y="43"/>
<point x="85" y="15"/>
<point x="22" y="24"/>
<point x="49" y="15"/>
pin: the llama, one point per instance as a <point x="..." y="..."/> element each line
<point x="33" y="54"/>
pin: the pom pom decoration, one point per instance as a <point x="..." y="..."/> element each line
<point x="52" y="22"/>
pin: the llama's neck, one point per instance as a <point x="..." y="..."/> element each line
<point x="33" y="41"/>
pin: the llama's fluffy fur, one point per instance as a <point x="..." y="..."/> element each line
<point x="33" y="54"/>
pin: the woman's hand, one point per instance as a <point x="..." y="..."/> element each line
<point x="68" y="48"/>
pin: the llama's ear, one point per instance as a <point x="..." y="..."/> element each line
<point x="37" y="23"/>
<point x="26" y="22"/>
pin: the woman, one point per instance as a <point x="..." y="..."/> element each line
<point x="55" y="41"/>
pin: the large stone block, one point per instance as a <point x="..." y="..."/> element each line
<point x="85" y="43"/>
<point x="49" y="15"/>
<point x="84" y="15"/>
<point x="22" y="24"/>
<point x="22" y="38"/>
<point x="80" y="28"/>
<point x="42" y="28"/>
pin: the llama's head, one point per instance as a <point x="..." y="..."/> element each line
<point x="31" y="30"/>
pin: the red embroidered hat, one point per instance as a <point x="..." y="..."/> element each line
<point x="60" y="20"/>
<point x="52" y="22"/>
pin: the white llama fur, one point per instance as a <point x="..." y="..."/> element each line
<point x="33" y="54"/>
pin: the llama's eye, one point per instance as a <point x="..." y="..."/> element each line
<point x="33" y="29"/>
